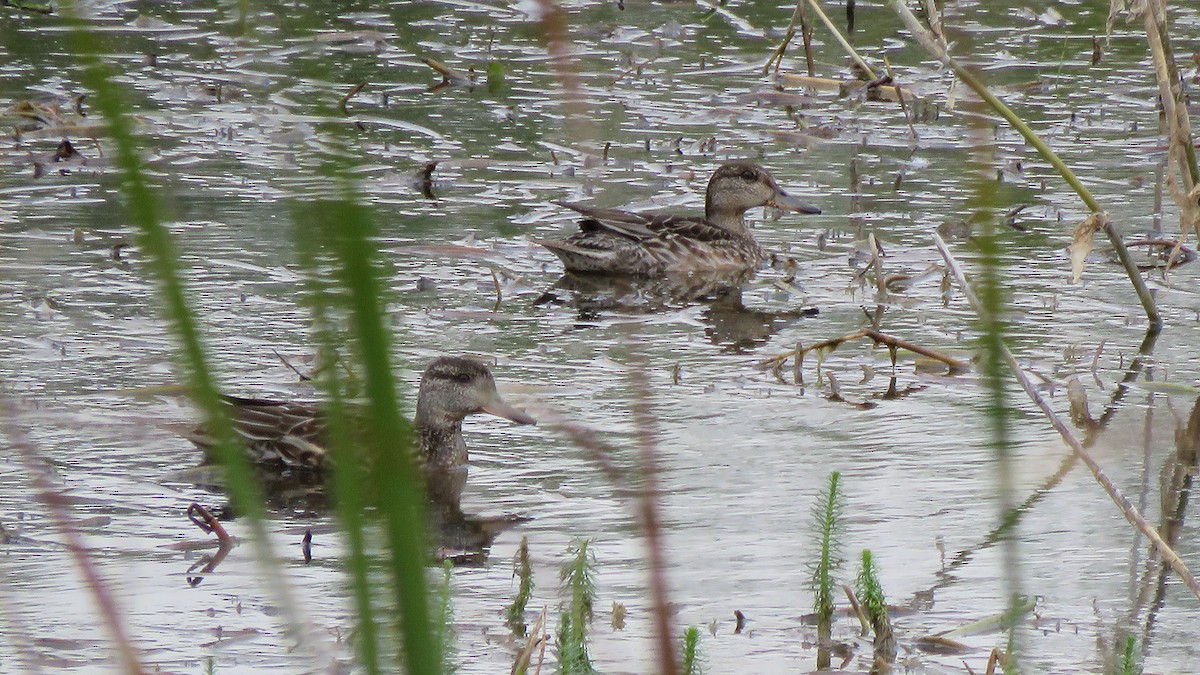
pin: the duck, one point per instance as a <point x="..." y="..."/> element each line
<point x="612" y="241"/>
<point x="287" y="434"/>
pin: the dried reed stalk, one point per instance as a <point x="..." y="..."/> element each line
<point x="937" y="49"/>
<point x="1130" y="511"/>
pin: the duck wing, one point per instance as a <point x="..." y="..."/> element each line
<point x="646" y="226"/>
<point x="273" y="431"/>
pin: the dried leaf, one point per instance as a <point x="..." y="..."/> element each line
<point x="1081" y="241"/>
<point x="1192" y="212"/>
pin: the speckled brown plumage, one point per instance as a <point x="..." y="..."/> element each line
<point x="623" y="242"/>
<point x="294" y="434"/>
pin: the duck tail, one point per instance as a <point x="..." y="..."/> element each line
<point x="576" y="258"/>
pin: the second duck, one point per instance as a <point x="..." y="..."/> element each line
<point x="649" y="244"/>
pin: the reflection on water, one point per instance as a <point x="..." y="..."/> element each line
<point x="235" y="128"/>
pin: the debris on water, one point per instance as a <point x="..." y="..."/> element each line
<point x="898" y="283"/>
<point x="450" y="76"/>
<point x="935" y="644"/>
<point x="1081" y="242"/>
<point x="954" y="365"/>
<point x="306" y="546"/>
<point x="618" y="615"/>
<point x="65" y="151"/>
<point x="349" y="95"/>
<point x="353" y="40"/>
<point x="741" y="621"/>
<point x="207" y="522"/>
<point x="27" y="6"/>
<point x="1163" y="254"/>
<point x="48" y="113"/>
<point x="425" y="180"/>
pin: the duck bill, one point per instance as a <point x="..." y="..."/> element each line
<point x="499" y="408"/>
<point x="783" y="200"/>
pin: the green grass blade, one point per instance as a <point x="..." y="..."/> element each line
<point x="157" y="243"/>
<point x="349" y="475"/>
<point x="396" y="481"/>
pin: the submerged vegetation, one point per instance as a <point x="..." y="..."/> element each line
<point x="355" y="252"/>
<point x="575" y="615"/>
<point x="523" y="572"/>
<point x="690" y="663"/>
<point x="827" y="526"/>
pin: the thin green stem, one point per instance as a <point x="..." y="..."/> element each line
<point x="935" y="48"/>
<point x="348" y="472"/>
<point x="841" y="39"/>
<point x="156" y="241"/>
<point x="401" y="495"/>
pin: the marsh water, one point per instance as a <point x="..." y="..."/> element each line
<point x="235" y="125"/>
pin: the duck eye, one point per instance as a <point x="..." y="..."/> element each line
<point x="749" y="175"/>
<point x="462" y="378"/>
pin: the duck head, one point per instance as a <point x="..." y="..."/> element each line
<point x="739" y="186"/>
<point x="453" y="388"/>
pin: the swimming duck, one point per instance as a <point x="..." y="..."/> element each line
<point x="647" y="244"/>
<point x="293" y="434"/>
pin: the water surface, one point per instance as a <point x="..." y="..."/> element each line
<point x="235" y="127"/>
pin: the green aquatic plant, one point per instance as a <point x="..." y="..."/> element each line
<point x="869" y="590"/>
<point x="870" y="596"/>
<point x="154" y="238"/>
<point x="523" y="571"/>
<point x="399" y="500"/>
<point x="396" y="486"/>
<point x="827" y="527"/>
<point x="1129" y="663"/>
<point x="575" y="617"/>
<point x="690" y="664"/>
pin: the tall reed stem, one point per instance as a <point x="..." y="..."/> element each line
<point x="938" y="51"/>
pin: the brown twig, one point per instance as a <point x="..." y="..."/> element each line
<point x="207" y="522"/>
<point x="1130" y="511"/>
<point x="900" y="97"/>
<point x="303" y="377"/>
<point x="955" y="365"/>
<point x="537" y="637"/>
<point x="206" y="564"/>
<point x="802" y="350"/>
<point x="776" y="58"/>
<point x="884" y="92"/>
<point x="841" y="39"/>
<point x="877" y="267"/>
<point x="346" y="99"/>
<point x="1179" y="132"/>
<point x="496" y="284"/>
<point x="857" y="609"/>
<point x="449" y="75"/>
